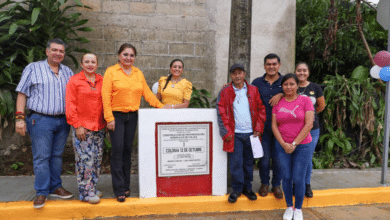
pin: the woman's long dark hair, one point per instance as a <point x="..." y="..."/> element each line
<point x="170" y="74"/>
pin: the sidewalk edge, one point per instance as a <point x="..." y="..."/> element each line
<point x="74" y="209"/>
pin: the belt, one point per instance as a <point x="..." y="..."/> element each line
<point x="30" y="112"/>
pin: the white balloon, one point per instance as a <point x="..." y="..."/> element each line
<point x="155" y="87"/>
<point x="374" y="72"/>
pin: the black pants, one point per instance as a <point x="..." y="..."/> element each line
<point x="122" y="141"/>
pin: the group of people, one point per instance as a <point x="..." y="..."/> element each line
<point x="282" y="112"/>
<point x="87" y="103"/>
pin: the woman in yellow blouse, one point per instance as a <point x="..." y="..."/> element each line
<point x="174" y="90"/>
<point x="123" y="87"/>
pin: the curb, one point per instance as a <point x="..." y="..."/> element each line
<point x="74" y="209"/>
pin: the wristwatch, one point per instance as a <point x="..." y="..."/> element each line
<point x="294" y="144"/>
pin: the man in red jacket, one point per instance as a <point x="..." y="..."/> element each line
<point x="241" y="114"/>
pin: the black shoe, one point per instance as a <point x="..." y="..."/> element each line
<point x="309" y="192"/>
<point x="120" y="198"/>
<point x="233" y="197"/>
<point x="127" y="194"/>
<point x="250" y="194"/>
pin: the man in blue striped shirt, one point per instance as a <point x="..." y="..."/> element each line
<point x="42" y="88"/>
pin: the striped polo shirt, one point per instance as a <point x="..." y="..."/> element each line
<point x="44" y="90"/>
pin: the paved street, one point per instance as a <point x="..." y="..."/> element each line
<point x="358" y="212"/>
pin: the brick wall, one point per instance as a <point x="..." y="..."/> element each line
<point x="161" y="30"/>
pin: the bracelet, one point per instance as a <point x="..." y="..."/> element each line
<point x="19" y="120"/>
<point x="19" y="113"/>
<point x="20" y="117"/>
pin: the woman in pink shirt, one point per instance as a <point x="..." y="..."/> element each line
<point x="292" y="120"/>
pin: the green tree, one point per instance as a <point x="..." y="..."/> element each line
<point x="25" y="27"/>
<point x="327" y="36"/>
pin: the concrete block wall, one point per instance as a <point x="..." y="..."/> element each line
<point x="273" y="31"/>
<point x="161" y="30"/>
<point x="196" y="31"/>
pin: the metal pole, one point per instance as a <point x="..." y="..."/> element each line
<point x="386" y="136"/>
<point x="385" y="157"/>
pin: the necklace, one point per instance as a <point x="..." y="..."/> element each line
<point x="91" y="82"/>
<point x="174" y="83"/>
<point x="303" y="92"/>
<point x="92" y="85"/>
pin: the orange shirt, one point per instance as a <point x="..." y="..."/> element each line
<point x="83" y="102"/>
<point x="122" y="92"/>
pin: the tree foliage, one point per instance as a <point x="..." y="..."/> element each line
<point x="25" y="28"/>
<point x="327" y="36"/>
<point x="353" y="120"/>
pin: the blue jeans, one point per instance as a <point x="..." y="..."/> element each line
<point x="48" y="138"/>
<point x="315" y="134"/>
<point x="268" y="142"/>
<point x="294" y="167"/>
<point x="241" y="163"/>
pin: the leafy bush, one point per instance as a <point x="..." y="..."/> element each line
<point x="199" y="98"/>
<point x="353" y="120"/>
<point x="25" y="28"/>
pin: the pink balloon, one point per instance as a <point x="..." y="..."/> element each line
<point x="382" y="58"/>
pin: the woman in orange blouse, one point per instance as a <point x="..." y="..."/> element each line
<point x="123" y="87"/>
<point x="84" y="111"/>
<point x="174" y="90"/>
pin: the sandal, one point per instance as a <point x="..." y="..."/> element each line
<point x="127" y="194"/>
<point x="121" y="198"/>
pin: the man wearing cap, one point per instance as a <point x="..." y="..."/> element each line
<point x="241" y="114"/>
<point x="271" y="92"/>
<point x="42" y="89"/>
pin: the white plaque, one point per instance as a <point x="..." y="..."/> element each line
<point x="183" y="149"/>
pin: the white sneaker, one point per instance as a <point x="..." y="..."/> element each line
<point x="288" y="214"/>
<point x="99" y="193"/>
<point x="298" y="214"/>
<point x="93" y="199"/>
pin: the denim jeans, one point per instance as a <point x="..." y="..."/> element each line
<point x="294" y="167"/>
<point x="268" y="142"/>
<point x="48" y="138"/>
<point x="241" y="162"/>
<point x="315" y="134"/>
<point x="122" y="141"/>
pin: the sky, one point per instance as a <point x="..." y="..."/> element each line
<point x="374" y="1"/>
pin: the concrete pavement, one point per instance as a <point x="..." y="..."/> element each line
<point x="331" y="188"/>
<point x="357" y="212"/>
